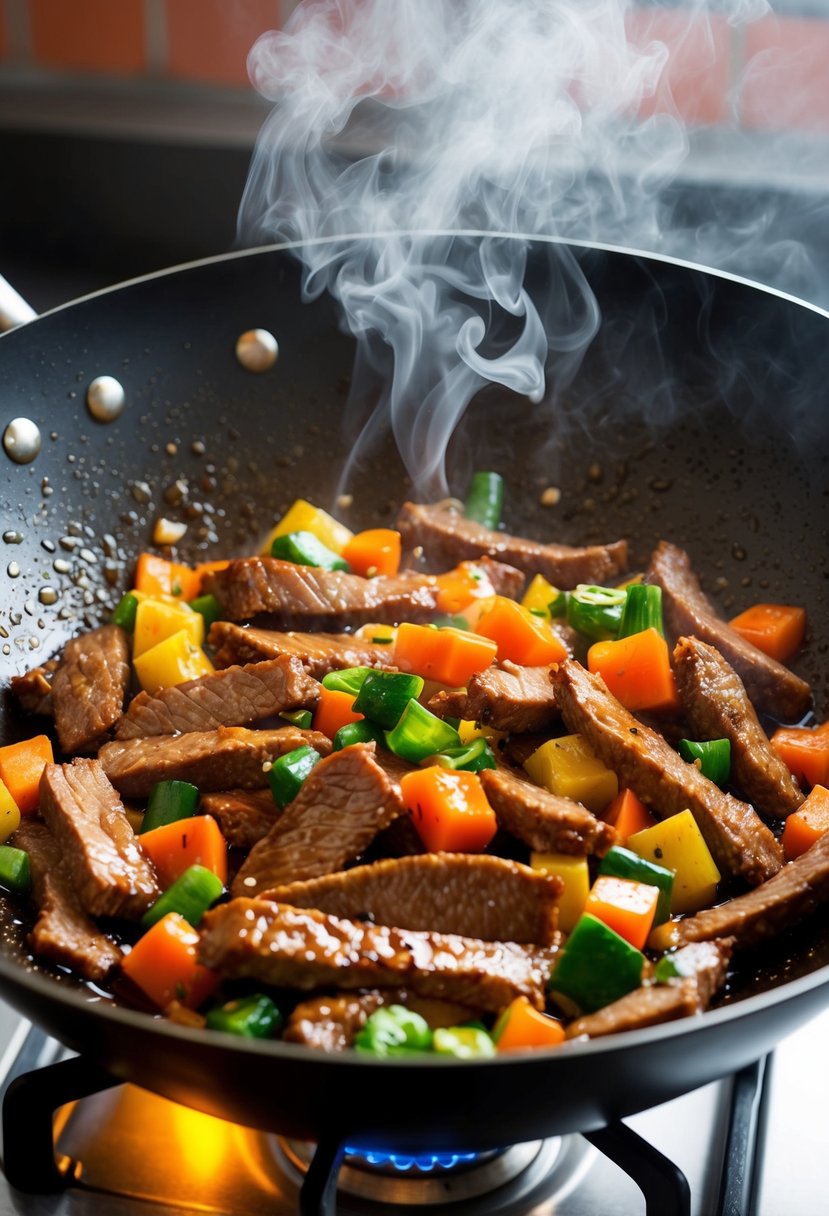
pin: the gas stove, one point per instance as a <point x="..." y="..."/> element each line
<point x="749" y="1145"/>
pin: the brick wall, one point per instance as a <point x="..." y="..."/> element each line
<point x="771" y="75"/>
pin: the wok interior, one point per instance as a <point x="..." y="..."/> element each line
<point x="657" y="437"/>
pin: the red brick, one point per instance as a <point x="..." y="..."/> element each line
<point x="209" y="40"/>
<point x="696" y="79"/>
<point x="785" y="81"/>
<point x="89" y="35"/>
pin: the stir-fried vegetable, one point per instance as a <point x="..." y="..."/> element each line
<point x="174" y="847"/>
<point x="805" y="826"/>
<point x="637" y="670"/>
<point x="677" y="844"/>
<point x="376" y="551"/>
<point x="596" y="967"/>
<point x="624" y="863"/>
<point x="191" y="894"/>
<point x="575" y="874"/>
<point x="485" y="499"/>
<point x="419" y="733"/>
<point x="15" y="870"/>
<point x="385" y="695"/>
<point x="595" y="612"/>
<point x="449" y="809"/>
<point x="776" y="629"/>
<point x="449" y="656"/>
<point x="566" y="766"/>
<point x="712" y="757"/>
<point x="9" y="813"/>
<point x="125" y="612"/>
<point x="628" y="815"/>
<point x="304" y="549"/>
<point x="394" y="1030"/>
<point x="642" y="610"/>
<point x="164" y="965"/>
<point x="21" y="768"/>
<point x="519" y="636"/>
<point x="521" y="1026"/>
<point x="287" y="773"/>
<point x="334" y="710"/>
<point x="803" y="749"/>
<point x="253" y="1017"/>
<point x="169" y="801"/>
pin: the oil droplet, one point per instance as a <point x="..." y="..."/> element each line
<point x="47" y="595"/>
<point x="13" y="570"/>
<point x="13" y="538"/>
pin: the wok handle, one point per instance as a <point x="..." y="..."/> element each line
<point x="13" y="308"/>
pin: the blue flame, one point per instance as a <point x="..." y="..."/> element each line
<point x="405" y="1163"/>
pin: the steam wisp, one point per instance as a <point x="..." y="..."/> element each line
<point x="497" y="116"/>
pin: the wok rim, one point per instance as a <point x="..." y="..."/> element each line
<point x="545" y="239"/>
<point x="15" y="975"/>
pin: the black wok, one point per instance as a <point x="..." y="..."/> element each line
<point x="698" y="414"/>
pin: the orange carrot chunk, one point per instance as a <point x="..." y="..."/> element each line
<point x="776" y="629"/>
<point x="625" y="906"/>
<point x="163" y="964"/>
<point x="628" y="815"/>
<point x="158" y="576"/>
<point x="459" y="588"/>
<point x="807" y="824"/>
<point x="334" y="709"/>
<point x="637" y="670"/>
<point x="449" y="656"/>
<point x="519" y="635"/>
<point x="803" y="750"/>
<point x="375" y="551"/>
<point x="174" y="847"/>
<point x="521" y="1025"/>
<point x="21" y="767"/>
<point x="449" y="809"/>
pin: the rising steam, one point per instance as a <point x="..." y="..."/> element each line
<point x="497" y="116"/>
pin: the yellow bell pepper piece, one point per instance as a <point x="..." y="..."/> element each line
<point x="9" y="813"/>
<point x="574" y="873"/>
<point x="539" y="595"/>
<point x="156" y="620"/>
<point x="569" y="768"/>
<point x="172" y="661"/>
<point x="474" y="730"/>
<point x="677" y="844"/>
<point x="303" y="516"/>
<point x="373" y="633"/>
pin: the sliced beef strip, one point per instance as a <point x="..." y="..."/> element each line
<point x="474" y="896"/>
<point x="245" y="816"/>
<point x="717" y="706"/>
<point x="111" y="874"/>
<point x="772" y="688"/>
<point x="213" y="760"/>
<point x="283" y="595"/>
<point x="63" y="932"/>
<point x="89" y="686"/>
<point x="704" y="967"/>
<point x="505" y="697"/>
<point x="304" y="949"/>
<point x="447" y="537"/>
<point x="34" y="689"/>
<point x="318" y="653"/>
<point x="741" y="844"/>
<point x="234" y="696"/>
<point x="342" y="805"/>
<point x="330" y="1023"/>
<point x="544" y="821"/>
<point x="798" y="890"/>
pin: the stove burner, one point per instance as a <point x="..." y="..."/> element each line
<point x="510" y="1180"/>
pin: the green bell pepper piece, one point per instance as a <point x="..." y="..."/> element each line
<point x="714" y="757"/>
<point x="597" y="966"/>
<point x="384" y="695"/>
<point x="394" y="1030"/>
<point x="304" y="549"/>
<point x="623" y="863"/>
<point x="252" y="1017"/>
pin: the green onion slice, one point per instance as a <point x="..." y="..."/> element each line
<point x="394" y="1030"/>
<point x="304" y="549"/>
<point x="384" y="695"/>
<point x="287" y="774"/>
<point x="169" y="801"/>
<point x="419" y="734"/>
<point x="485" y="499"/>
<point x="357" y="732"/>
<point x="208" y="607"/>
<point x="349" y="679"/>
<point x="252" y="1017"/>
<point x="124" y="613"/>
<point x="190" y="895"/>
<point x="15" y="870"/>
<point x="470" y="757"/>
<point x="642" y="610"/>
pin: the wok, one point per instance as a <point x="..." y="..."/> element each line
<point x="698" y="414"/>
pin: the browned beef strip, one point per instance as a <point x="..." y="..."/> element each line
<point x="235" y="696"/>
<point x="717" y="706"/>
<point x="245" y="816"/>
<point x="286" y="596"/>
<point x="475" y="896"/>
<point x="213" y="759"/>
<point x="63" y="932"/>
<point x="342" y="805"/>
<point x="739" y="841"/>
<point x="505" y="697"/>
<point x="704" y="968"/>
<point x="544" y="821"/>
<point x="330" y="1023"/>
<point x="447" y="537"/>
<point x="304" y="949"/>
<point x="318" y="653"/>
<point x="793" y="894"/>
<point x="89" y="686"/>
<point x="34" y="689"/>
<point x="772" y="688"/>
<point x="109" y="871"/>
